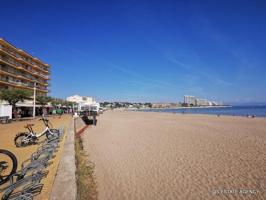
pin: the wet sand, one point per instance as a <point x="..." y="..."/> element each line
<point x="153" y="156"/>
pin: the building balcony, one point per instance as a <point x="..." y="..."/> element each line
<point x="11" y="49"/>
<point x="13" y="58"/>
<point x="7" y="74"/>
<point x="44" y="76"/>
<point x="15" y="83"/>
<point x="40" y="68"/>
<point x="25" y="78"/>
<point x="21" y="67"/>
<point x="40" y="75"/>
<point x="7" y="70"/>
<point x="7" y="51"/>
<point x="22" y="77"/>
<point x="22" y="85"/>
<point x="23" y="60"/>
<point x="42" y="83"/>
<point x="7" y="62"/>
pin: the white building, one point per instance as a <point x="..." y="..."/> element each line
<point x="193" y="101"/>
<point x="190" y="100"/>
<point x="5" y="110"/>
<point x="82" y="99"/>
<point x="203" y="102"/>
<point x="84" y="102"/>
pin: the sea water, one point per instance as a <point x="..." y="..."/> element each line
<point x="258" y="111"/>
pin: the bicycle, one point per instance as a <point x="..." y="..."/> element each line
<point x="28" y="138"/>
<point x="8" y="165"/>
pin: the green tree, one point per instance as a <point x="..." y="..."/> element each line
<point x="13" y="96"/>
<point x="55" y="102"/>
<point x="43" y="100"/>
<point x="70" y="103"/>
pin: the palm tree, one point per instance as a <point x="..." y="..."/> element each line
<point x="13" y="96"/>
<point x="43" y="100"/>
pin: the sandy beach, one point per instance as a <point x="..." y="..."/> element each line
<point x="152" y="156"/>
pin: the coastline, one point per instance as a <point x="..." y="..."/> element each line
<point x="169" y="108"/>
<point x="241" y="111"/>
<point x="202" y="114"/>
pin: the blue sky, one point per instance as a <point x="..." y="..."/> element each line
<point x="148" y="51"/>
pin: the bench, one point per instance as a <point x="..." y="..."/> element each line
<point x="4" y="119"/>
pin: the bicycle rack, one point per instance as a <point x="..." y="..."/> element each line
<point x="27" y="193"/>
<point x="48" y="152"/>
<point x="54" y="140"/>
<point x="36" y="165"/>
<point x="32" y="180"/>
<point x="26" y="196"/>
<point x="58" y="135"/>
<point x="33" y="170"/>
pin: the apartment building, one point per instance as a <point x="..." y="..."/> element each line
<point x="19" y="69"/>
<point x="203" y="102"/>
<point x="190" y="100"/>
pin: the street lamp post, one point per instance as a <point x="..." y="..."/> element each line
<point x="34" y="99"/>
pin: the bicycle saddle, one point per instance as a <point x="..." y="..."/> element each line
<point x="29" y="125"/>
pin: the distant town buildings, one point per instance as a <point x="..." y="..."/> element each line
<point x="193" y="101"/>
<point x="127" y="105"/>
<point x="165" y="105"/>
<point x="189" y="101"/>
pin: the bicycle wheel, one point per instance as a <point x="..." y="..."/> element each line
<point x="8" y="165"/>
<point x="19" y="139"/>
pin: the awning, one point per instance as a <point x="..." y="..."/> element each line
<point x="27" y="105"/>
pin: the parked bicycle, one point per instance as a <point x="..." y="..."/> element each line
<point x="28" y="138"/>
<point x="8" y="165"/>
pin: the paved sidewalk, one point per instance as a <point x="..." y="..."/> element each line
<point x="64" y="186"/>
